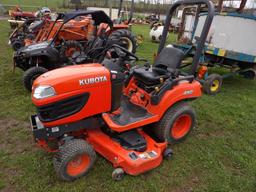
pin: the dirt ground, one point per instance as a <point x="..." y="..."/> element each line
<point x="12" y="145"/>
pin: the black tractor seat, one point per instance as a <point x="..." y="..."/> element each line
<point x="165" y="66"/>
<point x="151" y="76"/>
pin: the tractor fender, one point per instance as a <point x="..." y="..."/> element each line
<point x="120" y="26"/>
<point x="182" y="92"/>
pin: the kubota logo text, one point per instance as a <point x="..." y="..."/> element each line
<point x="92" y="80"/>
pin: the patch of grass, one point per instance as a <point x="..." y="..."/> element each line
<point x="148" y="49"/>
<point x="40" y="3"/>
<point x="2" y="182"/>
<point x="219" y="155"/>
<point x="29" y="5"/>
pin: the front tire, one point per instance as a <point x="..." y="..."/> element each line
<point x="74" y="159"/>
<point x="30" y="76"/>
<point x="176" y="123"/>
<point x="126" y="39"/>
<point x="17" y="44"/>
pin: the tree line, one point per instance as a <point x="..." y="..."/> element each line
<point x="142" y="6"/>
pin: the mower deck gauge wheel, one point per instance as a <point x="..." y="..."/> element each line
<point x="118" y="174"/>
<point x="168" y="153"/>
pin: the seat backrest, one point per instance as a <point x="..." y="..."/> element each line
<point x="169" y="57"/>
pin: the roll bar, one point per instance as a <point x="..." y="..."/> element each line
<point x="204" y="33"/>
<point x="131" y="10"/>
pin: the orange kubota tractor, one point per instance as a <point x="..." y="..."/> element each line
<point x="60" y="40"/>
<point x="17" y="17"/>
<point x="45" y="28"/>
<point x="75" y="30"/>
<point x="28" y="28"/>
<point x="84" y="109"/>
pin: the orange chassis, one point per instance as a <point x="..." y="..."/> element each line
<point x="151" y="98"/>
<point x="131" y="161"/>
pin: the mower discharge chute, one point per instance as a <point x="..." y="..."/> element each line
<point x="65" y="37"/>
<point x="91" y="108"/>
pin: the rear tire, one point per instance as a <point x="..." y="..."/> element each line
<point x="30" y="75"/>
<point x="126" y="39"/>
<point x="74" y="159"/>
<point x="212" y="84"/>
<point x="176" y="123"/>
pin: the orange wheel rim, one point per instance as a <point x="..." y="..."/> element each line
<point x="78" y="165"/>
<point x="181" y="126"/>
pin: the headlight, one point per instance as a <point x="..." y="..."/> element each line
<point x="44" y="91"/>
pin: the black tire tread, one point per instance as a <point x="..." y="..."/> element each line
<point x="116" y="35"/>
<point x="68" y="150"/>
<point x="161" y="128"/>
<point x="208" y="82"/>
<point x="29" y="74"/>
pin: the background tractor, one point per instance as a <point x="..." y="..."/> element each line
<point x="61" y="42"/>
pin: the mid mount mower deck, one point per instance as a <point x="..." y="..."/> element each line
<point x="91" y="108"/>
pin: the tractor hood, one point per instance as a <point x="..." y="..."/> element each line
<point x="72" y="93"/>
<point x="74" y="78"/>
<point x="42" y="45"/>
<point x="97" y="15"/>
<point x="40" y="50"/>
<point x="30" y="50"/>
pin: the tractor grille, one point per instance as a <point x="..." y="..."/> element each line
<point x="63" y="108"/>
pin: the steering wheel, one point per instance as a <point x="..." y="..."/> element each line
<point x="124" y="53"/>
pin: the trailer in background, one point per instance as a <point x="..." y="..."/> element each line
<point x="230" y="43"/>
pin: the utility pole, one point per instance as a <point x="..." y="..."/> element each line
<point x="110" y="8"/>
